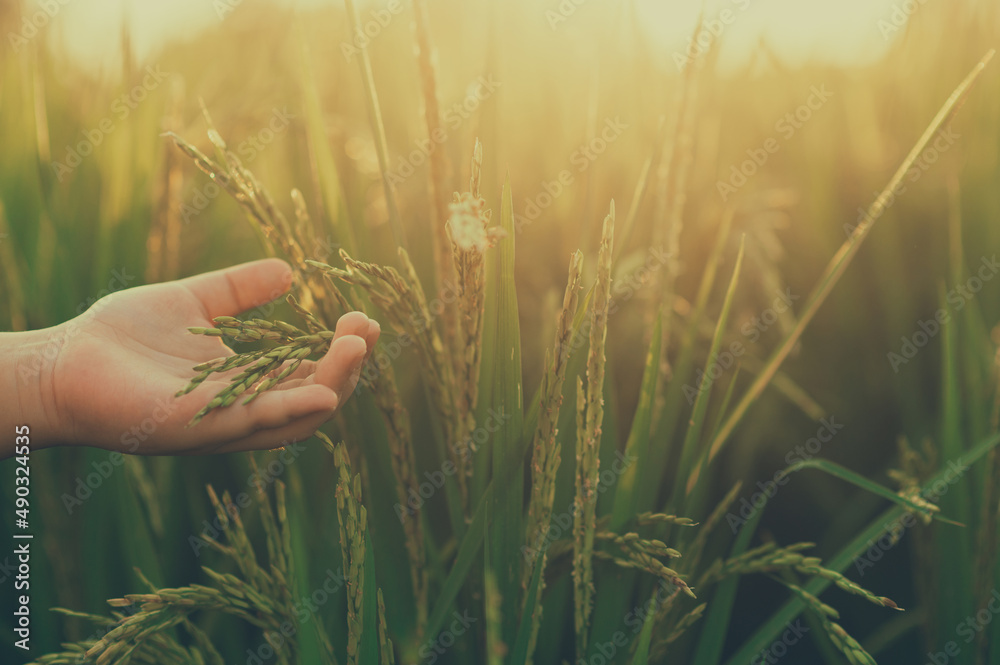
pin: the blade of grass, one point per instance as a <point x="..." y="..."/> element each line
<point x="503" y="393"/>
<point x="463" y="562"/>
<point x="392" y="556"/>
<point x="378" y="129"/>
<point x="665" y="423"/>
<point x="953" y="581"/>
<point x="520" y="655"/>
<point x="319" y="149"/>
<point x="697" y="422"/>
<point x="857" y="480"/>
<point x="369" y="647"/>
<point x="637" y="444"/>
<point x="645" y="638"/>
<point x="720" y="609"/>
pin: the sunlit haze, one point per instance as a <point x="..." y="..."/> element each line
<point x="845" y="33"/>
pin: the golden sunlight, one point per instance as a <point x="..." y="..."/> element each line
<point x="849" y="32"/>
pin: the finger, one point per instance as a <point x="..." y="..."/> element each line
<point x="229" y="291"/>
<point x="352" y="323"/>
<point x="340" y="368"/>
<point x="278" y="437"/>
<point x="270" y="410"/>
<point x="371" y="339"/>
<point x="303" y="371"/>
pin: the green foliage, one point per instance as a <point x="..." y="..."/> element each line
<point x="525" y="535"/>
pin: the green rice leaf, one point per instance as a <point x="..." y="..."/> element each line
<point x="503" y="393"/>
<point x="764" y="635"/>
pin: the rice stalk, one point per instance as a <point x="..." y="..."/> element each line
<point x="386" y="654"/>
<point x="769" y="558"/>
<point x="263" y="369"/>
<point x="352" y="518"/>
<point x="681" y="626"/>
<point x="401" y="298"/>
<point x="404" y="466"/>
<point x="144" y="635"/>
<point x="278" y="235"/>
<point x="636" y="560"/>
<point x="590" y="415"/>
<point x="439" y="167"/>
<point x="847" y="645"/>
<point x="470" y="237"/>
<point x="649" y="518"/>
<point x="545" y="446"/>
<point x="495" y="647"/>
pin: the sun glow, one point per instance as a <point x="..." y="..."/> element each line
<point x="849" y="32"/>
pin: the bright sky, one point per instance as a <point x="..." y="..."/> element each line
<point x="843" y="31"/>
<point x="838" y="31"/>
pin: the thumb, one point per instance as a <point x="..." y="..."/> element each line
<point x="239" y="288"/>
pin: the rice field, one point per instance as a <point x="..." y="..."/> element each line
<point x="686" y="356"/>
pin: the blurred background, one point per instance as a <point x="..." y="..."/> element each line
<point x="567" y="97"/>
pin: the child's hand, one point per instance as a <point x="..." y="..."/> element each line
<point x="113" y="382"/>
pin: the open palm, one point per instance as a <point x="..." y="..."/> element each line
<point x="121" y="363"/>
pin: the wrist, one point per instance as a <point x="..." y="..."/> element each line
<point x="29" y="361"/>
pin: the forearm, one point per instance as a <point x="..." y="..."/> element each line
<point x="27" y="361"/>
